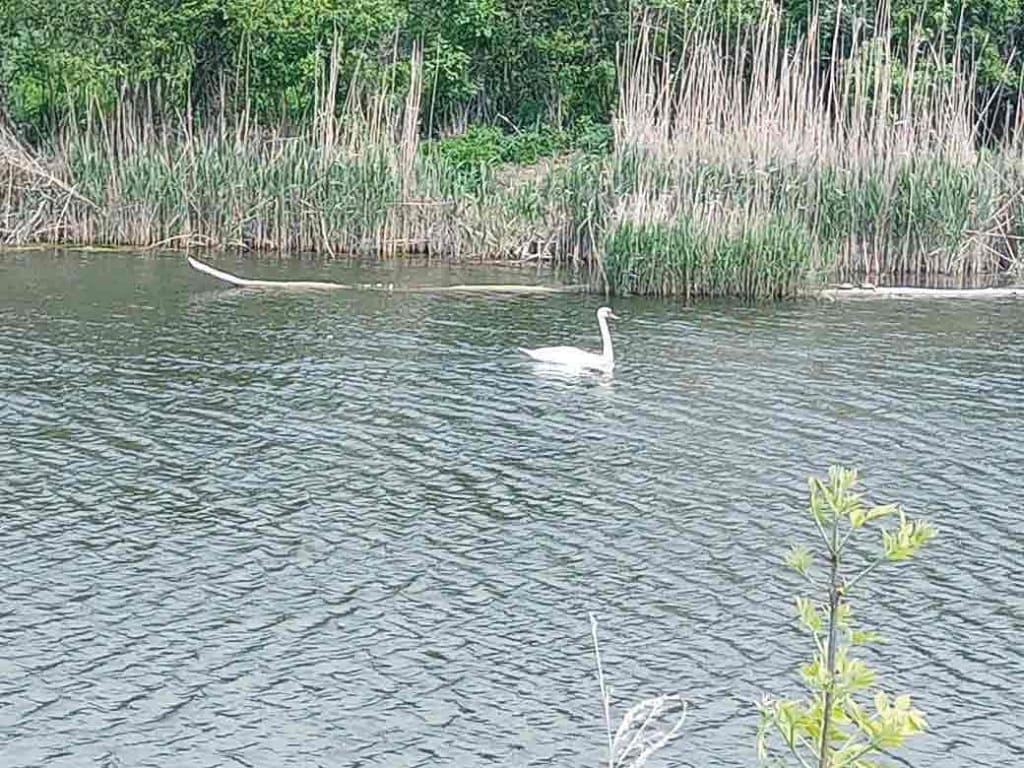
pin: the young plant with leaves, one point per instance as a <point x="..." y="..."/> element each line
<point x="845" y="719"/>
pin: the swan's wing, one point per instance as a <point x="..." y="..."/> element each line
<point x="552" y="354"/>
<point x="571" y="356"/>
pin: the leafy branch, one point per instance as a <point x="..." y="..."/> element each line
<point x="832" y="727"/>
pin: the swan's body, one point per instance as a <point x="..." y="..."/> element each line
<point x="580" y="359"/>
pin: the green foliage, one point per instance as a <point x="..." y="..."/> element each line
<point x="471" y="155"/>
<point x="279" y="47"/>
<point x="845" y="719"/>
<point x="82" y="51"/>
<point x="527" y="61"/>
<point x="477" y="145"/>
<point x="705" y="190"/>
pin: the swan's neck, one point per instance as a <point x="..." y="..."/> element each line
<point x="606" y="339"/>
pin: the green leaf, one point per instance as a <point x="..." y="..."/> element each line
<point x="880" y="511"/>
<point x="858" y="676"/>
<point x="809" y="615"/>
<point x="904" y="543"/>
<point x="864" y="636"/>
<point x="881" y="702"/>
<point x="799" y="559"/>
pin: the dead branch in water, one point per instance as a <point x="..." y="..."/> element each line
<point x="243" y="282"/>
<point x="1008" y="292"/>
<point x="316" y="285"/>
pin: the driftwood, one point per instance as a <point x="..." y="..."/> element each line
<point x="314" y="285"/>
<point x="244" y="282"/>
<point x="886" y="292"/>
<point x="832" y="294"/>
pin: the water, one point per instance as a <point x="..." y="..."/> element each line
<point x="357" y="529"/>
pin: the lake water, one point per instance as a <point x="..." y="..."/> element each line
<point x="358" y="529"/>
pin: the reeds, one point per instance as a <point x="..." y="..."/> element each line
<point x="353" y="181"/>
<point x="742" y="168"/>
<point x="739" y="167"/>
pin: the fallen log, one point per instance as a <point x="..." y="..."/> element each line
<point x="834" y="293"/>
<point x="244" y="282"/>
<point x="895" y="292"/>
<point x="315" y="285"/>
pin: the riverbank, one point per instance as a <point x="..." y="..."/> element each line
<point x="600" y="215"/>
<point x="758" y="190"/>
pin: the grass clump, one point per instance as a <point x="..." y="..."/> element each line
<point x="770" y="259"/>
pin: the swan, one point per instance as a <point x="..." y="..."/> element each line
<point x="580" y="359"/>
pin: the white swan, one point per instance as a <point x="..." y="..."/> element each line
<point x="580" y="359"/>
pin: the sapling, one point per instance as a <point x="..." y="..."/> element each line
<point x="845" y="720"/>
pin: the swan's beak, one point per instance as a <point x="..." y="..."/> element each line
<point x="613" y="316"/>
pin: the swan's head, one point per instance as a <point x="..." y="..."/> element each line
<point x="605" y="313"/>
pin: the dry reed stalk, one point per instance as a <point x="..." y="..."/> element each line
<point x="641" y="733"/>
<point x="404" y="221"/>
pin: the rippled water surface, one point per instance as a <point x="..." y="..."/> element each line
<point x="357" y="529"/>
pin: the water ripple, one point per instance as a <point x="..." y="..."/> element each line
<point x="255" y="529"/>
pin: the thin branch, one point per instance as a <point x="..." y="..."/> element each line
<point x="600" y="681"/>
<point x="833" y="639"/>
<point x="849" y="533"/>
<point x="865" y="572"/>
<point x="792" y="746"/>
